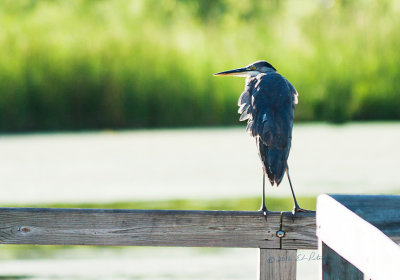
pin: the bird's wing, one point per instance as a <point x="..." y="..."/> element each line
<point x="272" y="110"/>
<point x="294" y="92"/>
<point x="270" y="120"/>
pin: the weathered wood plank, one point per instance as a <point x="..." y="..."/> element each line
<point x="300" y="231"/>
<point x="141" y="227"/>
<point x="277" y="264"/>
<point x="347" y="231"/>
<point x="334" y="267"/>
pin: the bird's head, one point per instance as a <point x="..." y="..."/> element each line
<point x="250" y="70"/>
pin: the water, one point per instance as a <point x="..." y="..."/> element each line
<point x="200" y="163"/>
<point x="150" y="264"/>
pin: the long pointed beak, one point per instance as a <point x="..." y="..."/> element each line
<point x="234" y="72"/>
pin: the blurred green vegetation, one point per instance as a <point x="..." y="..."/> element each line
<point x="239" y="204"/>
<point x="70" y="65"/>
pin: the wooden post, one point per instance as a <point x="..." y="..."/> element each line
<point x="334" y="267"/>
<point x="277" y="264"/>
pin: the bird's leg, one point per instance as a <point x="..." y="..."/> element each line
<point x="297" y="208"/>
<point x="296" y="205"/>
<point x="263" y="206"/>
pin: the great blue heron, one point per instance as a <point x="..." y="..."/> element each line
<point x="268" y="103"/>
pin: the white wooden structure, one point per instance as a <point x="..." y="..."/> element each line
<point x="359" y="236"/>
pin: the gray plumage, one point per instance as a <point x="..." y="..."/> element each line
<point x="268" y="103"/>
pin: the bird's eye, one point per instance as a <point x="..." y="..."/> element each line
<point x="253" y="68"/>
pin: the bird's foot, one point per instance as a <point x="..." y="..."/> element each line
<point x="298" y="209"/>
<point x="264" y="210"/>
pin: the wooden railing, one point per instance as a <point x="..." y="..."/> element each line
<point x="359" y="236"/>
<point x="278" y="234"/>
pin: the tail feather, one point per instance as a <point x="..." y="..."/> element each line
<point x="274" y="162"/>
<point x="277" y="162"/>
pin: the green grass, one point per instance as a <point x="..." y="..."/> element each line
<point x="239" y="204"/>
<point x="70" y="65"/>
<point x="247" y="204"/>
